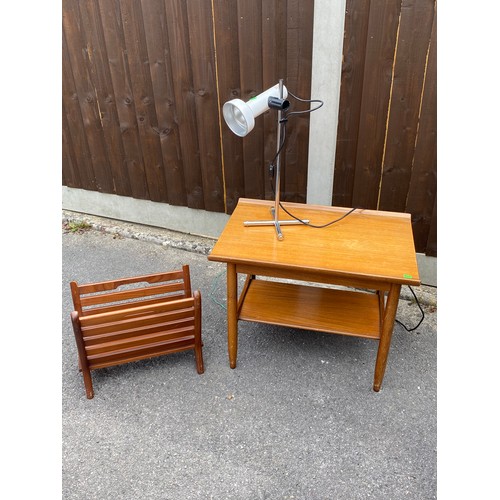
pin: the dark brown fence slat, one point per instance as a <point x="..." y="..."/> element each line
<point x="133" y="29"/>
<point x="351" y="92"/>
<point x="132" y="163"/>
<point x="228" y="71"/>
<point x="155" y="28"/>
<point x="274" y="67"/>
<point x="78" y="52"/>
<point x="381" y="41"/>
<point x="409" y="68"/>
<point x="431" y="248"/>
<point x="300" y="17"/>
<point x="422" y="190"/>
<point x="75" y="128"/>
<point x="200" y="22"/>
<point x="98" y="68"/>
<point x="185" y="106"/>
<point x="70" y="174"/>
<point x="250" y="54"/>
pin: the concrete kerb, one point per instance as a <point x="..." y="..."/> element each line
<point x="426" y="295"/>
<point x="157" y="235"/>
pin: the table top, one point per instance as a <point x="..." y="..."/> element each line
<point x="367" y="244"/>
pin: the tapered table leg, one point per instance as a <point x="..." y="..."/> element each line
<point x="232" y="314"/>
<point x="386" y="335"/>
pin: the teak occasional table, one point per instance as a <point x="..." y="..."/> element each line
<point x="369" y="254"/>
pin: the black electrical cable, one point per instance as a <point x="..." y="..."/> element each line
<point x="283" y="123"/>
<point x="317" y="226"/>
<point x="271" y="169"/>
<point x="421" y="310"/>
<point x="283" y="133"/>
<point x="305" y="100"/>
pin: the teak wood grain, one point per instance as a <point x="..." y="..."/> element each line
<point x="367" y="244"/>
<point x="370" y="250"/>
<point x="113" y="327"/>
<point x="312" y="308"/>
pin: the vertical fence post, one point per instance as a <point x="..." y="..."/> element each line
<point x="328" y="33"/>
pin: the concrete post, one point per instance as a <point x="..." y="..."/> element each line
<point x="328" y="35"/>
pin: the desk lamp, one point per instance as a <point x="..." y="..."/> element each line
<point x="240" y="118"/>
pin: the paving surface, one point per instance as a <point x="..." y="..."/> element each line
<point x="297" y="418"/>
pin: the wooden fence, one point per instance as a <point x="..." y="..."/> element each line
<point x="386" y="140"/>
<point x="144" y="82"/>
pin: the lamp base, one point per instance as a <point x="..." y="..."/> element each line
<point x="275" y="222"/>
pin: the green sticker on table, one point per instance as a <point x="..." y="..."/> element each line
<point x="408" y="276"/>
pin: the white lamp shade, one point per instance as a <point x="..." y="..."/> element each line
<point x="240" y="116"/>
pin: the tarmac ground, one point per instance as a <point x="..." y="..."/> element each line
<point x="296" y="419"/>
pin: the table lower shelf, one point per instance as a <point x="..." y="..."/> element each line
<point x="313" y="308"/>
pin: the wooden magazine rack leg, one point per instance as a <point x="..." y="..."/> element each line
<point x="113" y="327"/>
<point x="82" y="358"/>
